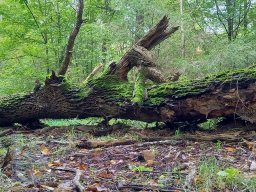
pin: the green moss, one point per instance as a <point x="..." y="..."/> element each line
<point x="139" y="89"/>
<point x="12" y="100"/>
<point x="112" y="87"/>
<point x="116" y="90"/>
<point x="186" y="88"/>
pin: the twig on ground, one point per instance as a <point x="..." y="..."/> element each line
<point x="146" y="141"/>
<point x="228" y="136"/>
<point x="76" y="181"/>
<point x="6" y="132"/>
<point x="8" y="158"/>
<point x="148" y="188"/>
<point x="63" y="169"/>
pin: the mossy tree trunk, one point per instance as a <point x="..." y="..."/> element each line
<point x="111" y="96"/>
<point x="220" y="96"/>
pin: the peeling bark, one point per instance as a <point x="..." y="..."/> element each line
<point x="139" y="54"/>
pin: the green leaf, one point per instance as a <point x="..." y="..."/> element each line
<point x="228" y="173"/>
<point x="141" y="168"/>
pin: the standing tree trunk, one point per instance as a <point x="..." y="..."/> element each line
<point x="182" y="30"/>
<point x="230" y="17"/>
<point x="72" y="38"/>
<point x="245" y="12"/>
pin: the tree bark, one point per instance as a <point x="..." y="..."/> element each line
<point x="226" y="95"/>
<point x="71" y="39"/>
<point x="110" y="95"/>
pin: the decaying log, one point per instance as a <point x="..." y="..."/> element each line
<point x="220" y="96"/>
<point x="144" y="142"/>
<point x="230" y="94"/>
<point x="139" y="54"/>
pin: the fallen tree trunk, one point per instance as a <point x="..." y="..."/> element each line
<point x="220" y="96"/>
<point x="110" y="95"/>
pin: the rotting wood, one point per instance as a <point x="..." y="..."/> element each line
<point x="198" y="136"/>
<point x="146" y="141"/>
<point x="229" y="94"/>
<point x="6" y="132"/>
<point x="139" y="54"/>
<point x="76" y="181"/>
<point x="149" y="188"/>
<point x="198" y="100"/>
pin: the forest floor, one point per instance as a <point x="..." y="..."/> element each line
<point x="71" y="159"/>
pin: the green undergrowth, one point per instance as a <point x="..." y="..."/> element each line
<point x="139" y="89"/>
<point x="96" y="121"/>
<point x="12" y="100"/>
<point x="210" y="123"/>
<point x="72" y="122"/>
<point x="212" y="176"/>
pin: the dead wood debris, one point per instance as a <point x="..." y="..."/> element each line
<point x="6" y="132"/>
<point x="149" y="188"/>
<point x="8" y="158"/>
<point x="76" y="181"/>
<point x="198" y="136"/>
<point x="231" y="136"/>
<point x="86" y="144"/>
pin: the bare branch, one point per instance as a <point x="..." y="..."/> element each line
<point x="241" y="20"/>
<point x="219" y="16"/>
<point x="36" y="22"/>
<point x="71" y="39"/>
<point x="76" y="181"/>
<point x="139" y="53"/>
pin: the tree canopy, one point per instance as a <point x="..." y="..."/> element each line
<point x="33" y="34"/>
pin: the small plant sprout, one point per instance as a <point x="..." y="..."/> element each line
<point x="218" y="145"/>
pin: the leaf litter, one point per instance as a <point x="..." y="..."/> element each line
<point x="54" y="162"/>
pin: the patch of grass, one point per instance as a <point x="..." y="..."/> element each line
<point x="70" y="122"/>
<point x="210" y="124"/>
<point x="178" y="133"/>
<point x="211" y="176"/>
<point x="218" y="145"/>
<point x="141" y="168"/>
<point x="70" y="133"/>
<point x="2" y="151"/>
<point x="96" y="121"/>
<point x="5" y="182"/>
<point x="134" y="123"/>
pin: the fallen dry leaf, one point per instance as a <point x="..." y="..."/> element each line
<point x="250" y="145"/>
<point x="55" y="164"/>
<point x="36" y="172"/>
<point x="253" y="166"/>
<point x="83" y="167"/>
<point x="64" y="187"/>
<point x="47" y="187"/>
<point x="230" y="149"/>
<point x="44" y="150"/>
<point x="97" y="188"/>
<point x="150" y="162"/>
<point x="149" y="156"/>
<point x="105" y="174"/>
